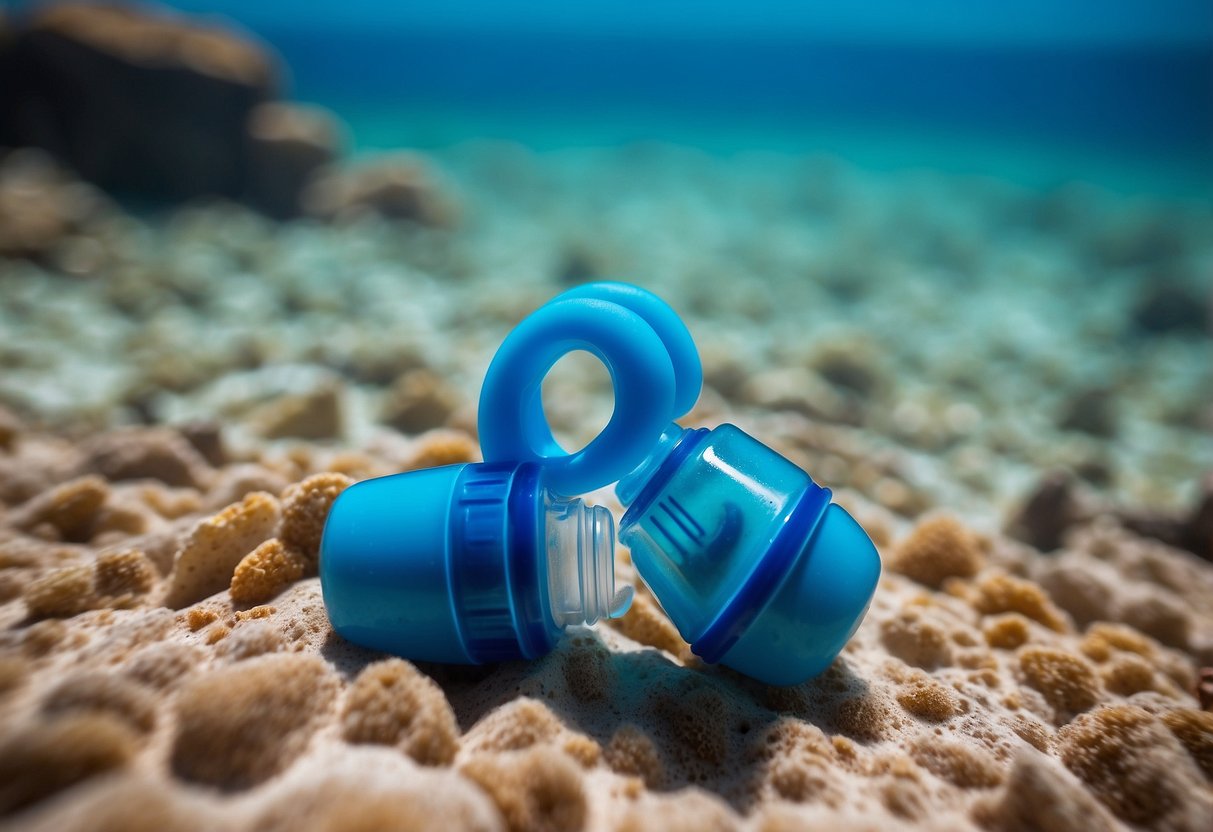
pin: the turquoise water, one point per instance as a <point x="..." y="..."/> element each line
<point x="1120" y="93"/>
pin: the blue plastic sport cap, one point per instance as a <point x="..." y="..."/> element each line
<point x="755" y="566"/>
<point x="441" y="564"/>
<point x="654" y="368"/>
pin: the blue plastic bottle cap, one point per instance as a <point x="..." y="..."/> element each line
<point x="485" y="562"/>
<point x="654" y="367"/>
<point x="815" y="610"/>
<point x="755" y="566"/>
<point x="383" y="565"/>
<point x="441" y="564"/>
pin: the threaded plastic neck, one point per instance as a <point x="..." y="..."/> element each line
<point x="581" y="563"/>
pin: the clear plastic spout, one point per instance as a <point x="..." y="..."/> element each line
<point x="581" y="563"/>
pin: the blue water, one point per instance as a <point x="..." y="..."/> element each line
<point x="1119" y="92"/>
<point x="1130" y="96"/>
<point x="937" y="105"/>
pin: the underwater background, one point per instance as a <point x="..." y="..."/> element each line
<point x="954" y="260"/>
<point x="1113" y="92"/>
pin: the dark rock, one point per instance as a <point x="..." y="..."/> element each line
<point x="135" y="99"/>
<point x="1168" y="306"/>
<point x="207" y="439"/>
<point x="288" y="145"/>
<point x="1048" y="513"/>
<point x="1192" y="531"/>
<point x="1091" y="411"/>
<point x="1097" y="471"/>
<point x="845" y="281"/>
<point x="1198" y="529"/>
<point x="397" y="187"/>
<point x="799" y="390"/>
<point x="851" y="366"/>
<point x="724" y="371"/>
<point x="145" y="453"/>
<point x="578" y="266"/>
<point x="1149" y="239"/>
<point x="1164" y="527"/>
<point x="1204" y="689"/>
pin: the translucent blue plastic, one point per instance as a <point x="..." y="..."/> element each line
<point x="748" y="557"/>
<point x="817" y="608"/>
<point x="697" y="536"/>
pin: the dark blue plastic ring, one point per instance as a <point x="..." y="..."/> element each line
<point x="768" y="574"/>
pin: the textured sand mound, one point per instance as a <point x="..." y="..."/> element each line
<point x="988" y="687"/>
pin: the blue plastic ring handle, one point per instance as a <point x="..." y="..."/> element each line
<point x="674" y="335"/>
<point x="654" y="368"/>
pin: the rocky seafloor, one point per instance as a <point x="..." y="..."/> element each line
<point x="1009" y="388"/>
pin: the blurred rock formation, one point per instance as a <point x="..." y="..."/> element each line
<point x="48" y="215"/>
<point x="136" y="100"/>
<point x="288" y="144"/>
<point x="399" y="186"/>
<point x="151" y="104"/>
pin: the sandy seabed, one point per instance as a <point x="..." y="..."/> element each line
<point x="186" y="395"/>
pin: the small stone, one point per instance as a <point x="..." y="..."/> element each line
<point x="1066" y="680"/>
<point x="70" y="509"/>
<point x="799" y="390"/>
<point x="242" y="724"/>
<point x="1136" y="767"/>
<point x="399" y="187"/>
<point x="1000" y="593"/>
<point x="1090" y="411"/>
<point x="1198" y="528"/>
<point x="578" y="265"/>
<point x="420" y="400"/>
<point x="392" y="703"/>
<point x="42" y="207"/>
<point x="288" y="145"/>
<point x="1204" y="688"/>
<point x="10" y="427"/>
<point x="146" y="453"/>
<point x="234" y="482"/>
<point x="540" y="788"/>
<point x="1168" y="306"/>
<point x="1047" y="514"/>
<point x="1191" y="530"/>
<point x="850" y="366"/>
<point x="312" y="415"/>
<point x="207" y="439"/>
